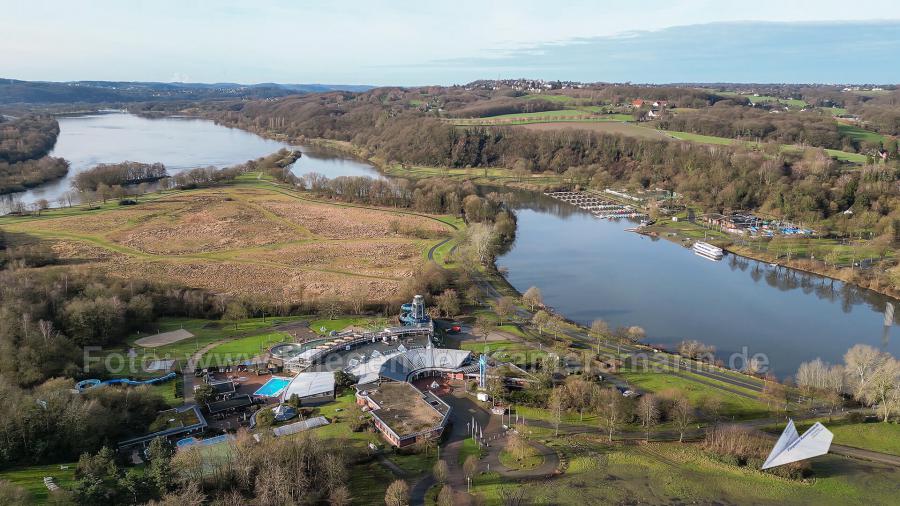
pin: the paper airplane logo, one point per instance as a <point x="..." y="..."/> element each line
<point x="792" y="447"/>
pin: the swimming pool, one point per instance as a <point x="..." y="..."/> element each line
<point x="192" y="441"/>
<point x="273" y="387"/>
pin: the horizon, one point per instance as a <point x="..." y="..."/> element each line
<point x="402" y="44"/>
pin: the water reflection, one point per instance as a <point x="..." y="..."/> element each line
<point x="590" y="268"/>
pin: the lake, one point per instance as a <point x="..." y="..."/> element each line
<point x="587" y="268"/>
<point x="179" y="143"/>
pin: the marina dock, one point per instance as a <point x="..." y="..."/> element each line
<point x="596" y="205"/>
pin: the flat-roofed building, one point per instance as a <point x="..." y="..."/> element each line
<point x="402" y="413"/>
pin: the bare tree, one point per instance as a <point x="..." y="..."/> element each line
<point x="882" y="387"/>
<point x="636" y="333"/>
<point x="329" y="309"/>
<point x="440" y="472"/>
<point x="447" y="302"/>
<point x="648" y="412"/>
<point x="470" y="466"/>
<point x="358" y="298"/>
<point x="712" y="405"/>
<point x="682" y="415"/>
<point x="397" y="494"/>
<point x="558" y="402"/>
<point x="340" y="496"/>
<point x="611" y="410"/>
<point x="599" y="329"/>
<point x="581" y="394"/>
<point x="472" y="295"/>
<point x="533" y="298"/>
<point x="445" y="496"/>
<point x="540" y="320"/>
<point x="504" y="307"/>
<point x="861" y="362"/>
<point x="481" y="241"/>
<point x="484" y="326"/>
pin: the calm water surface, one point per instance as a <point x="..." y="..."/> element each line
<point x="179" y="143"/>
<point x="586" y="268"/>
<point x="589" y="268"/>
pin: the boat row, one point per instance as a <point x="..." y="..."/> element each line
<point x="599" y="207"/>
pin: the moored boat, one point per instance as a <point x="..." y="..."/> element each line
<point x="707" y="250"/>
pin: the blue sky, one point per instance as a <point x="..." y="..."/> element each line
<point x="418" y="42"/>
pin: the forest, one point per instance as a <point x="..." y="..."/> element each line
<point x="27" y="137"/>
<point x="24" y="142"/>
<point x="20" y="176"/>
<point x="808" y="186"/>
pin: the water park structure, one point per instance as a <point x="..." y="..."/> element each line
<point x="83" y="385"/>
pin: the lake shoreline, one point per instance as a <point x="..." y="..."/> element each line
<point x="805" y="266"/>
<point x="798" y="265"/>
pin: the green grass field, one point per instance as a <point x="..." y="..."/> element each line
<point x="31" y="478"/>
<point x="790" y="102"/>
<point x="508" y="351"/>
<point x="705" y="139"/>
<point x="733" y="405"/>
<point x="860" y="134"/>
<point x="874" y="436"/>
<point x="564" y="99"/>
<point x="324" y="326"/>
<point x="671" y="473"/>
<point x="241" y="349"/>
<point x="205" y="332"/>
<point x="844" y="156"/>
<point x="469" y="447"/>
<point x="834" y="111"/>
<point x="528" y="462"/>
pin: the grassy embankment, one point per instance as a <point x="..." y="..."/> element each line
<point x="762" y="99"/>
<point x="666" y="473"/>
<point x="875" y="436"/>
<point x="31" y="478"/>
<point x="844" y="156"/>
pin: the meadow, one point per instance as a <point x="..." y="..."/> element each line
<point x="672" y="473"/>
<point x="251" y="238"/>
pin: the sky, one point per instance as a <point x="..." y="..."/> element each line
<point x="404" y="42"/>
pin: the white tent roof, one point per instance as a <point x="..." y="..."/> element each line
<point x="308" y="384"/>
<point x="399" y="365"/>
<point x="293" y="428"/>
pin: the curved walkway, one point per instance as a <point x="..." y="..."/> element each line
<point x="549" y="466"/>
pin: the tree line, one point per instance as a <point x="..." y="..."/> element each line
<point x="27" y="138"/>
<point x="868" y="375"/>
<point x="24" y="143"/>
<point x="20" y="176"/>
<point x="118" y="174"/>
